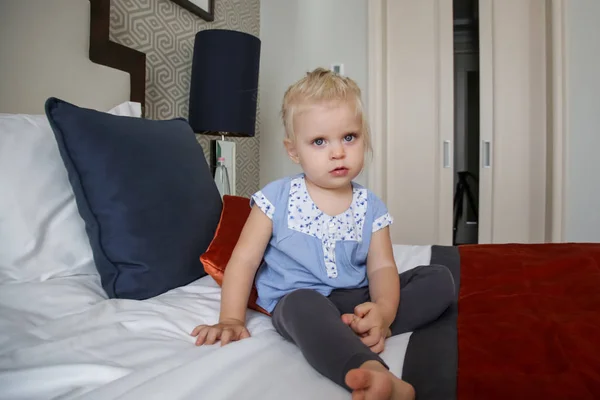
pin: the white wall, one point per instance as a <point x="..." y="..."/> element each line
<point x="583" y="121"/>
<point x="44" y="52"/>
<point x="297" y="36"/>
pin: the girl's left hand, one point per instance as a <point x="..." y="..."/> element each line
<point x="368" y="322"/>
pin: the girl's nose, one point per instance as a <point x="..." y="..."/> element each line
<point x="338" y="152"/>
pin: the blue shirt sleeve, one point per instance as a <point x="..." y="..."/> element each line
<point x="267" y="197"/>
<point x="381" y="216"/>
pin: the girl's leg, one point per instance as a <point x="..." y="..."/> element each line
<point x="425" y="293"/>
<point x="312" y="322"/>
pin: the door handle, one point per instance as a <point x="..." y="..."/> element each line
<point x="487" y="154"/>
<point x="446" y="154"/>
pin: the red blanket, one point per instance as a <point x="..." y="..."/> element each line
<point x="529" y="322"/>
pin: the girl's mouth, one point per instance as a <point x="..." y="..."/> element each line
<point x="339" y="172"/>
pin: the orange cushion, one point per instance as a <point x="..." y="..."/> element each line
<point x="235" y="212"/>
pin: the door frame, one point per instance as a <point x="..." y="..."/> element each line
<point x="377" y="94"/>
<point x="559" y="119"/>
<point x="557" y="110"/>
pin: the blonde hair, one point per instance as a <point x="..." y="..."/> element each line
<point x="322" y="86"/>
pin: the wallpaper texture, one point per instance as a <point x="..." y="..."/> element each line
<point x="165" y="32"/>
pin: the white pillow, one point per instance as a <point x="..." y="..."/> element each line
<point x="42" y="234"/>
<point x="128" y="108"/>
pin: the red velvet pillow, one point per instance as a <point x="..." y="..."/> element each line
<point x="235" y="212"/>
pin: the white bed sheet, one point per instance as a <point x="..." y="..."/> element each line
<point x="62" y="338"/>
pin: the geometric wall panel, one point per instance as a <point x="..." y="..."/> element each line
<point x="165" y="32"/>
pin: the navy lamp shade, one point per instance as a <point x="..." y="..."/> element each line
<point x="224" y="83"/>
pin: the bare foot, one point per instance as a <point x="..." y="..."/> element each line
<point x="372" y="381"/>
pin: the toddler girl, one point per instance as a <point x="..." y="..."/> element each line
<point x="318" y="247"/>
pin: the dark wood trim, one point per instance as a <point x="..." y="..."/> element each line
<point x="205" y="15"/>
<point x="104" y="52"/>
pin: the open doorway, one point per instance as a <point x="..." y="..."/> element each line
<point x="466" y="121"/>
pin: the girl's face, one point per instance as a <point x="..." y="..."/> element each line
<point x="328" y="144"/>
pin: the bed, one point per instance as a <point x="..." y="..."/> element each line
<point x="525" y="322"/>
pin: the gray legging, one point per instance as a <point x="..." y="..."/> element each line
<point x="313" y="322"/>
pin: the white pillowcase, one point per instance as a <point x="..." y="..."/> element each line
<point x="128" y="109"/>
<point x="42" y="234"/>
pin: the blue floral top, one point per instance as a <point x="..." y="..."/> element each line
<point x="310" y="249"/>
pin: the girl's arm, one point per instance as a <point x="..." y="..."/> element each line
<point x="384" y="283"/>
<point x="243" y="264"/>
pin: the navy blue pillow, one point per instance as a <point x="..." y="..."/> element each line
<point x="146" y="194"/>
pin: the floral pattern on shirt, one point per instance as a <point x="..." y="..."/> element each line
<point x="383" y="221"/>
<point x="304" y="216"/>
<point x="264" y="204"/>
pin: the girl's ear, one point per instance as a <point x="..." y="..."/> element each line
<point x="290" y="146"/>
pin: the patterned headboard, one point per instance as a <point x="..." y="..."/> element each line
<point x="153" y="41"/>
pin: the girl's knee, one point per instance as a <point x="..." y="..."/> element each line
<point x="443" y="282"/>
<point x="301" y="306"/>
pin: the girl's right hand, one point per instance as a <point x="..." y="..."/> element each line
<point x="227" y="331"/>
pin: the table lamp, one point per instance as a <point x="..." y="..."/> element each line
<point x="224" y="90"/>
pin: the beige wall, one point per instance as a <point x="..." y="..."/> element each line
<point x="582" y="194"/>
<point x="297" y="36"/>
<point x="44" y="52"/>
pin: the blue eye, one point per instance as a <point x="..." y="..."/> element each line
<point x="349" y="138"/>
<point x="318" y="142"/>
